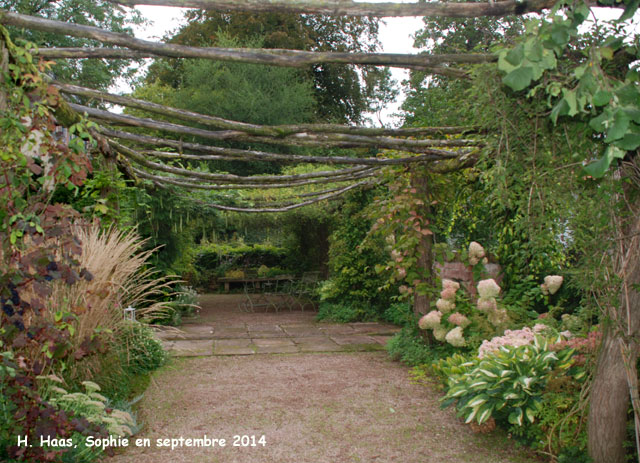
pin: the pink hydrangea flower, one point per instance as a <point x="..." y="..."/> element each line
<point x="446" y="283"/>
<point x="448" y="294"/>
<point x="513" y="338"/>
<point x="539" y="327"/>
<point x="458" y="319"/>
<point x="488" y="288"/>
<point x="430" y="320"/>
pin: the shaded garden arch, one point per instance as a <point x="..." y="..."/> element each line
<point x="428" y="146"/>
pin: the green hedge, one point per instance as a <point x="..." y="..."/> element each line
<point x="221" y="257"/>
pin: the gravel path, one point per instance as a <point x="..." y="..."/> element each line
<point x="334" y="407"/>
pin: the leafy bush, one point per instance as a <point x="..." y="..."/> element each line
<point x="96" y="409"/>
<point x="339" y="313"/>
<point x="353" y="280"/>
<point x="409" y="347"/>
<point x="399" y="313"/>
<point x="222" y="257"/>
<point x="506" y="384"/>
<point x="144" y="352"/>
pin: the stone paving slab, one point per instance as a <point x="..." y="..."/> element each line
<point x="191" y="348"/>
<point x="336" y="329"/>
<point x="275" y="346"/>
<point x="344" y="340"/>
<point x="233" y="347"/>
<point x="317" y="344"/>
<point x="221" y="329"/>
<point x="300" y="331"/>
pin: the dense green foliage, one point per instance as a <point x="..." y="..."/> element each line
<point x="341" y="95"/>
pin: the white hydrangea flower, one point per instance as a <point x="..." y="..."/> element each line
<point x="455" y="337"/>
<point x="498" y="317"/>
<point x="553" y="283"/>
<point x="487" y="304"/>
<point x="476" y="251"/>
<point x="430" y="320"/>
<point x="458" y="319"/>
<point x="439" y="332"/>
<point x="488" y="288"/>
<point x="445" y="305"/>
<point x="446" y="284"/>
<point x="448" y="294"/>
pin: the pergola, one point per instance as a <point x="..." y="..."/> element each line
<point x="441" y="149"/>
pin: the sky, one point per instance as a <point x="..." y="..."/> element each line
<point x="395" y="34"/>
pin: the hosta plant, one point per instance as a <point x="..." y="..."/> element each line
<point x="507" y="384"/>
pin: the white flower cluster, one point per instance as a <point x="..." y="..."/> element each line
<point x="488" y="290"/>
<point x="551" y="284"/>
<point x="447" y="301"/>
<point x="446" y="304"/>
<point x="476" y="253"/>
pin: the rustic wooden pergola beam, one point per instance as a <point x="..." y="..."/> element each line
<point x="350" y="8"/>
<point x="285" y="208"/>
<point x="272" y="57"/>
<point x="321" y="140"/>
<point x="254" y="129"/>
<point x="231" y="178"/>
<point x="191" y="184"/>
<point x="215" y="153"/>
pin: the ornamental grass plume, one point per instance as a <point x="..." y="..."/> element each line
<point x="120" y="278"/>
<point x="455" y="337"/>
<point x="430" y="320"/>
<point x="488" y="288"/>
<point x="551" y="284"/>
<point x="476" y="253"/>
<point x="458" y="319"/>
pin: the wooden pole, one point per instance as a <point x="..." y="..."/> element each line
<point x="350" y="8"/>
<point x="272" y="57"/>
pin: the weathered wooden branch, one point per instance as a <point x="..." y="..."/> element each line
<point x="191" y="184"/>
<point x="286" y="208"/>
<point x="351" y="8"/>
<point x="231" y="178"/>
<point x="272" y="57"/>
<point x="221" y="153"/>
<point x="254" y="129"/>
<point x="288" y="158"/>
<point x="299" y="139"/>
<point x="124" y="53"/>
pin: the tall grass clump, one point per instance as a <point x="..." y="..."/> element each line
<point x="118" y="277"/>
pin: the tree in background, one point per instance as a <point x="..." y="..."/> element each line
<point x="341" y="94"/>
<point x="94" y="73"/>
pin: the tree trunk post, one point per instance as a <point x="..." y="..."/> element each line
<point x="4" y="65"/>
<point x="422" y="302"/>
<point x="611" y="387"/>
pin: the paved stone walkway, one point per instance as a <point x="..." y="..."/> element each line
<point x="222" y="328"/>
